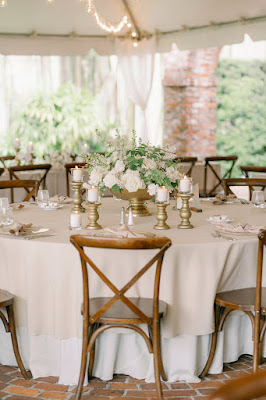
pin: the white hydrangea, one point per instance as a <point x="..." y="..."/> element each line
<point x="119" y="166"/>
<point x="172" y="173"/>
<point x="96" y="176"/>
<point x="111" y="179"/>
<point x="132" y="181"/>
<point x="152" y="189"/>
<point x="149" y="163"/>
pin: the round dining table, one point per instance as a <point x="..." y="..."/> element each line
<point x="45" y="276"/>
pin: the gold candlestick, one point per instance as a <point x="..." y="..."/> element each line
<point x="185" y="212"/>
<point x="31" y="159"/>
<point x="161" y="216"/>
<point x="93" y="216"/>
<point x="16" y="158"/>
<point x="77" y="198"/>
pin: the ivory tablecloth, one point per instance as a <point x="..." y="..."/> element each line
<point x="45" y="276"/>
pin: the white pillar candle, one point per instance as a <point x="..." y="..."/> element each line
<point x="30" y="147"/>
<point x="162" y="194"/>
<point x="185" y="185"/>
<point x="93" y="195"/>
<point x="77" y="174"/>
<point x="17" y="143"/>
<point x="85" y="148"/>
<point x="75" y="220"/>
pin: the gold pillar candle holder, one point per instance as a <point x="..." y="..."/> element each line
<point x="31" y="159"/>
<point x="93" y="216"/>
<point x="161" y="216"/>
<point x="185" y="212"/>
<point x="16" y="158"/>
<point x="77" y="197"/>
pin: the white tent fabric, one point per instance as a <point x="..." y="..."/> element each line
<point x="137" y="66"/>
<point x="32" y="27"/>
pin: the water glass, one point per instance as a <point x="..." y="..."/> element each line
<point x="43" y="198"/>
<point x="257" y="198"/>
<point x="4" y="203"/>
<point x="6" y="216"/>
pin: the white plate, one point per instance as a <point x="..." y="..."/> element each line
<point x="50" y="208"/>
<point x="112" y="235"/>
<point x="33" y="230"/>
<point x="219" y="219"/>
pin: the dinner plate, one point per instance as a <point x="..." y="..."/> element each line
<point x="219" y="218"/>
<point x="32" y="231"/>
<point x="50" y="208"/>
<point x="112" y="235"/>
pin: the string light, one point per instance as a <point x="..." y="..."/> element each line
<point x="3" y="3"/>
<point x="103" y="24"/>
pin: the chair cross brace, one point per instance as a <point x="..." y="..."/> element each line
<point x="119" y="294"/>
<point x="227" y="174"/>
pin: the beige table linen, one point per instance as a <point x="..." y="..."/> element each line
<point x="45" y="274"/>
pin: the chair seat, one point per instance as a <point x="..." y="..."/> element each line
<point x="6" y="298"/>
<point x="119" y="311"/>
<point x="240" y="299"/>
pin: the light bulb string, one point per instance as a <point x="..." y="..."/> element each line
<point x="103" y="24"/>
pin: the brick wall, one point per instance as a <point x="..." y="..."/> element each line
<point x="190" y="100"/>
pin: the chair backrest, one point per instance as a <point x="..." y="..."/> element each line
<point x="231" y="160"/>
<point x="160" y="243"/>
<point x="191" y="161"/>
<point x="247" y="387"/>
<point x="250" y="183"/>
<point x="68" y="168"/>
<point x="246" y="169"/>
<point x="26" y="184"/>
<point x="4" y="160"/>
<point x="2" y="170"/>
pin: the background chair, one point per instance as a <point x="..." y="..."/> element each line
<point x="2" y="170"/>
<point x="26" y="184"/>
<point x="247" y="387"/>
<point x="250" y="171"/>
<point x="251" y="183"/>
<point x="42" y="168"/>
<point x="231" y="160"/>
<point x="250" y="300"/>
<point x="104" y="313"/>
<point x="191" y="161"/>
<point x="7" y="301"/>
<point x="5" y="160"/>
<point x="68" y="168"/>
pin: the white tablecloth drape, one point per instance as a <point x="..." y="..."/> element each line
<point x="45" y="276"/>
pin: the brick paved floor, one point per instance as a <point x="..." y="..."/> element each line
<point x="14" y="387"/>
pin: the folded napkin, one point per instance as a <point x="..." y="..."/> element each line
<point x="123" y="232"/>
<point x="17" y="228"/>
<point x="60" y="199"/>
<point x="16" y="206"/>
<point x="222" y="198"/>
<point x="238" y="228"/>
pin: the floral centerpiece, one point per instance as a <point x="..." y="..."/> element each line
<point x="130" y="166"/>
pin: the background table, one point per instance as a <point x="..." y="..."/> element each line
<point x="45" y="276"/>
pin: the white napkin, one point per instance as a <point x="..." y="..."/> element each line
<point x="18" y="229"/>
<point x="238" y="228"/>
<point x="222" y="198"/>
<point x="16" y="206"/>
<point x="60" y="199"/>
<point x="123" y="232"/>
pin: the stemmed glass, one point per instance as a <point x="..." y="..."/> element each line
<point x="257" y="198"/>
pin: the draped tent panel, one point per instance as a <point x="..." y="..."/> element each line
<point x="31" y="27"/>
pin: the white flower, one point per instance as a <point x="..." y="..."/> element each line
<point x="119" y="166"/>
<point x="111" y="179"/>
<point x="132" y="181"/>
<point x="96" y="176"/>
<point x="149" y="163"/>
<point x="152" y="189"/>
<point x="172" y="173"/>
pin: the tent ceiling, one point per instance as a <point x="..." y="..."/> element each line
<point x="66" y="28"/>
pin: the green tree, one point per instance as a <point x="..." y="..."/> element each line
<point x="241" y="111"/>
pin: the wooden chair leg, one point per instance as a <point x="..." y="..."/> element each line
<point x="84" y="355"/>
<point x="12" y="326"/>
<point x="162" y="371"/>
<point x="211" y="355"/>
<point x="156" y="359"/>
<point x="92" y="352"/>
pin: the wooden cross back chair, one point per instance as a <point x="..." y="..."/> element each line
<point x="248" y="387"/>
<point x="44" y="168"/>
<point x="7" y="301"/>
<point x="4" y="159"/>
<point x="251" y="183"/>
<point x="68" y="168"/>
<point x="30" y="186"/>
<point x="2" y="170"/>
<point x="231" y="160"/>
<point x="104" y="313"/>
<point x="248" y="171"/>
<point x="251" y="301"/>
<point x="191" y="161"/>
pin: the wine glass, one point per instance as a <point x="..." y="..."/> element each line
<point x="257" y="198"/>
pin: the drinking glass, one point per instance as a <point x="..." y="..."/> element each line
<point x="6" y="216"/>
<point x="4" y="203"/>
<point x="43" y="198"/>
<point x="257" y="198"/>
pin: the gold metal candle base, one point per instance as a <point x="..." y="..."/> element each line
<point x="185" y="212"/>
<point x="139" y="208"/>
<point x="77" y="198"/>
<point x="161" y="216"/>
<point x="16" y="158"/>
<point x="93" y="216"/>
<point x="31" y="160"/>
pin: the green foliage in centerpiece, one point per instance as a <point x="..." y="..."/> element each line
<point x="132" y="165"/>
